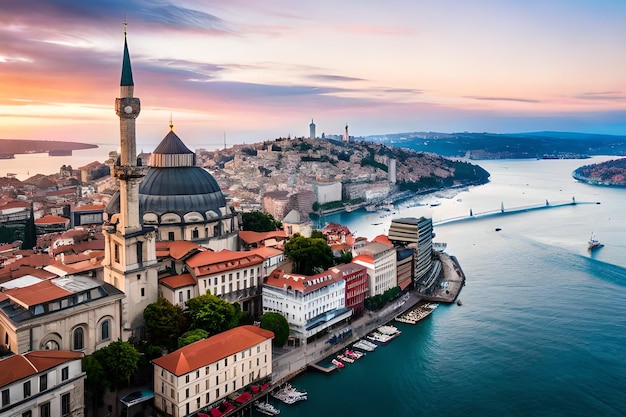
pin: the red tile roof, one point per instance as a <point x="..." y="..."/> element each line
<point x="37" y="293"/>
<point x="302" y="283"/>
<point x="369" y="259"/>
<point x="178" y="281"/>
<point x="204" y="352"/>
<point x="205" y="263"/>
<point x="50" y="219"/>
<point x="266" y="252"/>
<point x="15" y="204"/>
<point x="383" y="239"/>
<point x="249" y="236"/>
<point x="90" y="207"/>
<point x="180" y="248"/>
<point x="17" y="367"/>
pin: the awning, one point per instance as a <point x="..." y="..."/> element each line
<point x="137" y="397"/>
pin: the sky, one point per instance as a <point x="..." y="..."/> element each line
<point x="250" y="70"/>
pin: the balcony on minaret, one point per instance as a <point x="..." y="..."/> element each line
<point x="128" y="172"/>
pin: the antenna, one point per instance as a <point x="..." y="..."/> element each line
<point x="171" y="123"/>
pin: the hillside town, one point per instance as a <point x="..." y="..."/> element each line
<point x="87" y="252"/>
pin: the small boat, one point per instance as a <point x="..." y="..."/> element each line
<point x="593" y="243"/>
<point x="266" y="408"/>
<point x="338" y="363"/>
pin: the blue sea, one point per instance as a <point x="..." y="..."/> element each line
<point x="542" y="327"/>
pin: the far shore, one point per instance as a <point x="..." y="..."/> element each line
<point x="24" y="146"/>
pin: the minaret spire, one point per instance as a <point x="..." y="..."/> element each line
<point x="127" y="72"/>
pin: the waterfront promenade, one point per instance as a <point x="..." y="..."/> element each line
<point x="289" y="362"/>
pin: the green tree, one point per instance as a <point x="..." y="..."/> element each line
<point x="119" y="361"/>
<point x="278" y="324"/>
<point x="316" y="234"/>
<point x="309" y="254"/>
<point x="30" y="232"/>
<point x="257" y="221"/>
<point x="212" y="314"/>
<point x="164" y="323"/>
<point x="191" y="336"/>
<point x="97" y="381"/>
<point x="316" y="206"/>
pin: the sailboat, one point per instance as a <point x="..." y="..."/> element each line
<point x="593" y="243"/>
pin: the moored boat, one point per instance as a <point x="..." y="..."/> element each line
<point x="266" y="408"/>
<point x="593" y="243"/>
<point x="337" y="363"/>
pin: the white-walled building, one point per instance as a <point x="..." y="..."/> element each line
<point x="380" y="261"/>
<point x="42" y="383"/>
<point x="203" y="373"/>
<point x="310" y="304"/>
<point x="326" y="192"/>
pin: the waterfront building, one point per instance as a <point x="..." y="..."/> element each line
<point x="311" y="304"/>
<point x="380" y="261"/>
<point x="405" y="258"/>
<point x="69" y="313"/>
<point x="198" y="376"/>
<point x="357" y="289"/>
<point x="42" y="383"/>
<point x="326" y="192"/>
<point x="416" y="233"/>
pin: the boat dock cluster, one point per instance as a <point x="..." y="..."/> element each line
<point x="417" y="314"/>
<point x="289" y="395"/>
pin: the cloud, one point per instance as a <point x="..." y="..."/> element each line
<point x="328" y="77"/>
<point x="515" y="99"/>
<point x="602" y="95"/>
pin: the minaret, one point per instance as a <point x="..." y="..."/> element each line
<point x="130" y="250"/>
<point x="127" y="108"/>
<point x="346" y="136"/>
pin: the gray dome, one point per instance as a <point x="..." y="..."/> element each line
<point x="179" y="190"/>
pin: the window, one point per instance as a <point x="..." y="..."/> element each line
<point x="186" y="379"/>
<point x="27" y="414"/>
<point x="180" y="296"/>
<point x="44" y="410"/>
<point x="116" y="253"/>
<point x="65" y="404"/>
<point x="140" y="253"/>
<point x="104" y="330"/>
<point x="43" y="382"/>
<point x="79" y="343"/>
<point x="6" y="398"/>
<point x="65" y="373"/>
<point x="195" y="234"/>
<point x="51" y="345"/>
<point x="187" y="393"/>
<point x="143" y="292"/>
<point x="26" y="389"/>
<point x="170" y="236"/>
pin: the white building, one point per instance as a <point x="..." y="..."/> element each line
<point x="310" y="304"/>
<point x="202" y="374"/>
<point x="380" y="261"/>
<point x="42" y="383"/>
<point x="326" y="192"/>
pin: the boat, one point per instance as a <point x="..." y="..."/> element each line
<point x="593" y="243"/>
<point x="417" y="314"/>
<point x="344" y="358"/>
<point x="266" y="408"/>
<point x="365" y="345"/>
<point x="370" y="207"/>
<point x="289" y="395"/>
<point x="337" y="363"/>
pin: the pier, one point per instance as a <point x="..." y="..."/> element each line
<point x="505" y="211"/>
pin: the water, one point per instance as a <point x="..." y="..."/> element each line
<point x="542" y="328"/>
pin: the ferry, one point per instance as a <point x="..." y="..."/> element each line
<point x="593" y="243"/>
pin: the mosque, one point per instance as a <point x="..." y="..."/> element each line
<point x="170" y="200"/>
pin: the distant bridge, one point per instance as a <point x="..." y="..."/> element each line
<point x="514" y="210"/>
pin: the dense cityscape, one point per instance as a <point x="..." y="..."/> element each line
<point x="140" y="273"/>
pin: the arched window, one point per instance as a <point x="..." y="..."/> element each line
<point x="104" y="330"/>
<point x="51" y="345"/>
<point x="79" y="338"/>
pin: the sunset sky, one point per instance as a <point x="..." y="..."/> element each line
<point x="252" y="70"/>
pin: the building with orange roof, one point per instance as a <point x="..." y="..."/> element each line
<point x="72" y="313"/>
<point x="311" y="304"/>
<point x="231" y="275"/>
<point x="380" y="261"/>
<point x="87" y="215"/>
<point x="51" y="224"/>
<point x="274" y="258"/>
<point x="42" y="383"/>
<point x="200" y="375"/>
<point x="178" y="289"/>
<point x="250" y="240"/>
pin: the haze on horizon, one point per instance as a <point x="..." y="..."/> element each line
<point x="251" y="70"/>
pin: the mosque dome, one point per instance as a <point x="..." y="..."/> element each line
<point x="174" y="184"/>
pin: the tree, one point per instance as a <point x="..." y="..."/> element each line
<point x="211" y="313"/>
<point x="96" y="382"/>
<point x="192" y="336"/>
<point x="309" y="254"/>
<point x="119" y="361"/>
<point x="165" y="323"/>
<point x="278" y="324"/>
<point x="257" y="221"/>
<point x="317" y="234"/>
<point x="316" y="206"/>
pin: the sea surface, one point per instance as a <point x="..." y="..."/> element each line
<point x="542" y="327"/>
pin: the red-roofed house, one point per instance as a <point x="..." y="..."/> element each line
<point x="197" y="376"/>
<point x="42" y="383"/>
<point x="250" y="239"/>
<point x="88" y="214"/>
<point x="178" y="289"/>
<point x="380" y="261"/>
<point x="311" y="304"/>
<point x="51" y="224"/>
<point x="231" y="275"/>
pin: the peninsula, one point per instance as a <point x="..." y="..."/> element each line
<point x="611" y="173"/>
<point x="11" y="147"/>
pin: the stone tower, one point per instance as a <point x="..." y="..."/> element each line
<point x="130" y="252"/>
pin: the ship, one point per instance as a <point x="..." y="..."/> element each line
<point x="593" y="243"/>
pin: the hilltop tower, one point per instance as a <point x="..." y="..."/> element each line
<point x="312" y="130"/>
<point x="130" y="251"/>
<point x="346" y="136"/>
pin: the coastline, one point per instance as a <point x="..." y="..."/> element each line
<point x="288" y="363"/>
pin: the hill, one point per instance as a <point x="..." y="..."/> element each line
<point x="544" y="145"/>
<point x="611" y="173"/>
